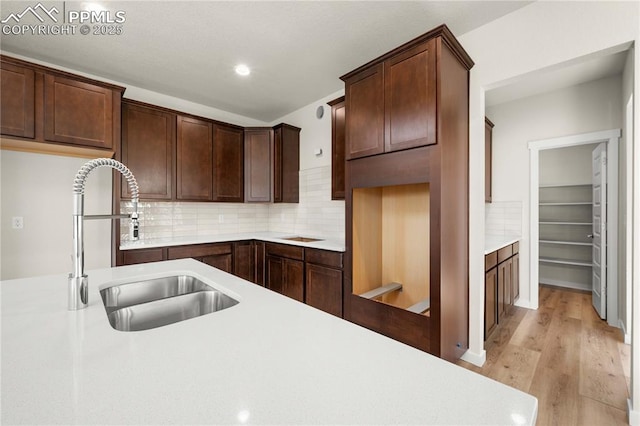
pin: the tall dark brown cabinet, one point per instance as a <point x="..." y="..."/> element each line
<point x="407" y="136"/>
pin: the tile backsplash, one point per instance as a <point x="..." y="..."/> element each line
<point x="503" y="218"/>
<point x="315" y="215"/>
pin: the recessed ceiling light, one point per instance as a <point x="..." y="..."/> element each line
<point x="242" y="69"/>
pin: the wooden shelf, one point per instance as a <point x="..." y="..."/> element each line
<point x="564" y="261"/>
<point x="570" y="243"/>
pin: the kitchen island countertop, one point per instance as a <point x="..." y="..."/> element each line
<point x="266" y="360"/>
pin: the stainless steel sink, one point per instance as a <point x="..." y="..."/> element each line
<point x="302" y="239"/>
<point x="142" y="305"/>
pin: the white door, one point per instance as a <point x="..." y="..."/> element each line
<point x="599" y="233"/>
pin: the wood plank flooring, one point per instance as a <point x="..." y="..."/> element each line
<point x="566" y="356"/>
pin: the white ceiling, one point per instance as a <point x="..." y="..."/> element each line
<point x="297" y="50"/>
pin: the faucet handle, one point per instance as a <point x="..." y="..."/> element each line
<point x="134" y="228"/>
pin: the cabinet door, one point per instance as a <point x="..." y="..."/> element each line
<point x="258" y="165"/>
<point x="337" y="149"/>
<point x="78" y="113"/>
<point x="285" y="276"/>
<point x="410" y="98"/>
<point x="17" y="102"/>
<point x="148" y="140"/>
<point x="286" y="164"/>
<point x="324" y="289"/>
<point x="490" y="301"/>
<point x="194" y="168"/>
<point x="244" y="260"/>
<point x="260" y="263"/>
<point x="223" y="262"/>
<point x="504" y="288"/>
<point x="488" y="134"/>
<point x="515" y="278"/>
<point x="228" y="160"/>
<point x="364" y="103"/>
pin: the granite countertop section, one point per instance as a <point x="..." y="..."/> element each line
<point x="275" y="237"/>
<point x="496" y="242"/>
<point x="266" y="360"/>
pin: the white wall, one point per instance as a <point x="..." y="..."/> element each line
<point x="38" y="188"/>
<point x="578" y="109"/>
<point x="566" y="166"/>
<point x="315" y="134"/>
<point x="537" y="36"/>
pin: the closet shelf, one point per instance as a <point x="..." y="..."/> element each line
<point x="581" y="203"/>
<point x="565" y="223"/>
<point x="570" y="243"/>
<point x="565" y="261"/>
<point x="566" y="185"/>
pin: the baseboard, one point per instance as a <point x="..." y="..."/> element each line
<point x="477" y="359"/>
<point x="627" y="336"/>
<point x="567" y="284"/>
<point x="633" y="415"/>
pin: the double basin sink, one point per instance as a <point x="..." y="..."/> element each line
<point x="142" y="305"/>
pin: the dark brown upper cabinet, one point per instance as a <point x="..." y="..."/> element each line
<point x="392" y="102"/>
<point x="337" y="148"/>
<point x="194" y="159"/>
<point x="148" y="145"/>
<point x="258" y="161"/>
<point x="228" y="160"/>
<point x="42" y="104"/>
<point x="17" y="101"/>
<point x="77" y="113"/>
<point x="286" y="172"/>
<point x="364" y="103"/>
<point x="488" y="152"/>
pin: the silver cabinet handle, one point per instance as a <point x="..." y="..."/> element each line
<point x="590" y="236"/>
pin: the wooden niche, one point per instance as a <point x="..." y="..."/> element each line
<point x="407" y="172"/>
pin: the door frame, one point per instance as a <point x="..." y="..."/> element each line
<point x="610" y="137"/>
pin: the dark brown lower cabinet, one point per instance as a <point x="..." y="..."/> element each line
<point x="218" y="255"/>
<point x="311" y="276"/>
<point x="132" y="257"/>
<point x="323" y="280"/>
<point x="324" y="288"/>
<point x="502" y="286"/>
<point x="244" y="260"/>
<point x="490" y="301"/>
<point x="285" y="276"/>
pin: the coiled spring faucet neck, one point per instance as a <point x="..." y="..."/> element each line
<point x="78" y="281"/>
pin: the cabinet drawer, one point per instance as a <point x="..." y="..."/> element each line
<point x="516" y="247"/>
<point x="490" y="260"/>
<point x="200" y="250"/>
<point x="324" y="257"/>
<point x="283" y="250"/>
<point x="504" y="253"/>
<point x="132" y="257"/>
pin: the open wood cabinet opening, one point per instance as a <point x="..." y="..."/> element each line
<point x="391" y="245"/>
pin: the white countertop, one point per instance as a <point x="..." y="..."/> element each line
<point x="267" y="360"/>
<point x="496" y="242"/>
<point x="276" y="237"/>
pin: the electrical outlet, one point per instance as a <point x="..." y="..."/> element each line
<point x="220" y="218"/>
<point x="17" y="222"/>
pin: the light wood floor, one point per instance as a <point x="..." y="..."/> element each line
<point x="574" y="363"/>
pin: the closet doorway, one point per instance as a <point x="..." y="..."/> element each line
<point x="573" y="207"/>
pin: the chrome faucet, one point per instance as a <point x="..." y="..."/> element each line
<point x="78" y="281"/>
